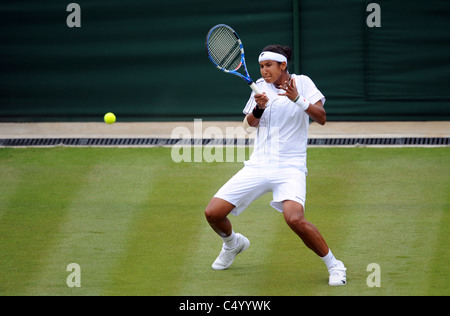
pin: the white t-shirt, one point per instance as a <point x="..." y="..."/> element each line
<point x="282" y="134"/>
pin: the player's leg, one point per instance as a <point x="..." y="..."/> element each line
<point x="234" y="197"/>
<point x="216" y="214"/>
<point x="295" y="217"/>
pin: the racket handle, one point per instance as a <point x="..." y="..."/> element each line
<point x="254" y="87"/>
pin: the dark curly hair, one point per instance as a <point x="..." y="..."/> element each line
<point x="283" y="50"/>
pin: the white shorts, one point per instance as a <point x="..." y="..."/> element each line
<point x="252" y="182"/>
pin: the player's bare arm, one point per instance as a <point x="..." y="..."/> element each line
<point x="317" y="113"/>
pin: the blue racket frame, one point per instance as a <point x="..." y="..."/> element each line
<point x="246" y="77"/>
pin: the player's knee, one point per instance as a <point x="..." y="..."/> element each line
<point x="299" y="224"/>
<point x="211" y="214"/>
<point x="217" y="210"/>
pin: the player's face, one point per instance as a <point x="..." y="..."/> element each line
<point x="271" y="70"/>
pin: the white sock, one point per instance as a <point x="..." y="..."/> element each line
<point x="329" y="259"/>
<point x="230" y="241"/>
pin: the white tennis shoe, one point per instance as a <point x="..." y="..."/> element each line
<point x="226" y="256"/>
<point x="338" y="275"/>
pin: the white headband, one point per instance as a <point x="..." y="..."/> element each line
<point x="272" y="56"/>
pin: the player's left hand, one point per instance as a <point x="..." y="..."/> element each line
<point x="290" y="88"/>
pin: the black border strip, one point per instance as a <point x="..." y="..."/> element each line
<point x="168" y="142"/>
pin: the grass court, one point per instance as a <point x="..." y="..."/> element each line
<point x="132" y="219"/>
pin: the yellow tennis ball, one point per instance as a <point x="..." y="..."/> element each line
<point x="110" y="118"/>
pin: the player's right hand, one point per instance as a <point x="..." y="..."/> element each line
<point x="261" y="100"/>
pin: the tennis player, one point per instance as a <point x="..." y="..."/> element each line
<point x="278" y="162"/>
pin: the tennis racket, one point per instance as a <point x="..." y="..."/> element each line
<point x="226" y="52"/>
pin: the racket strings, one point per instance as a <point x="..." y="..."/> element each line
<point x="224" y="48"/>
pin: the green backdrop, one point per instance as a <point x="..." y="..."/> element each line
<point x="146" y="60"/>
